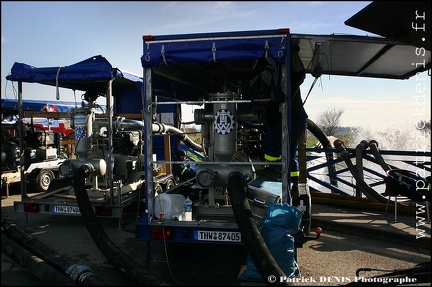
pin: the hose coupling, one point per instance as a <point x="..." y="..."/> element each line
<point x="78" y="272"/>
<point x="374" y="142"/>
<point x="340" y="148"/>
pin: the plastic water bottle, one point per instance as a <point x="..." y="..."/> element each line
<point x="187" y="209"/>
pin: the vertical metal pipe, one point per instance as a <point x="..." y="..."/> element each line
<point x="286" y="124"/>
<point x="21" y="144"/>
<point x="302" y="158"/>
<point x="148" y="139"/>
<point x="359" y="167"/>
<point x="109" y="158"/>
<point x="286" y="156"/>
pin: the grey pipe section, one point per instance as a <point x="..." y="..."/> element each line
<point x="162" y="128"/>
<point x="253" y="240"/>
<point x="157" y="128"/>
<point x="35" y="265"/>
<point x="81" y="274"/>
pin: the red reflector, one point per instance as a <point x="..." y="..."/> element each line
<point x="31" y="207"/>
<point x="147" y="37"/>
<point x="157" y="232"/>
<point x="103" y="211"/>
<point x="284" y="30"/>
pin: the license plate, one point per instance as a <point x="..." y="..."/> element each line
<point x="65" y="209"/>
<point x="219" y="236"/>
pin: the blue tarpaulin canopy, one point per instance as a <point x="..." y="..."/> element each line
<point x="344" y="55"/>
<point x="90" y="74"/>
<point x="214" y="48"/>
<point x="36" y="105"/>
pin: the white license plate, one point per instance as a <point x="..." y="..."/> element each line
<point x="65" y="209"/>
<point x="220" y="236"/>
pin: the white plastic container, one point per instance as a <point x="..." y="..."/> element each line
<point x="168" y="205"/>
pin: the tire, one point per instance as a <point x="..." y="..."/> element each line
<point x="158" y="189"/>
<point x="43" y="180"/>
<point x="170" y="183"/>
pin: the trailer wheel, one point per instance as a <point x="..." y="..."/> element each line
<point x="158" y="189"/>
<point x="170" y="183"/>
<point x="44" y="179"/>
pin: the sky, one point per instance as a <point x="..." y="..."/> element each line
<point x="46" y="34"/>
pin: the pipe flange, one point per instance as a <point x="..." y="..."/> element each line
<point x="78" y="272"/>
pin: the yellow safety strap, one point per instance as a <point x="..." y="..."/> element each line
<point x="295" y="173"/>
<point x="184" y="170"/>
<point x="272" y="158"/>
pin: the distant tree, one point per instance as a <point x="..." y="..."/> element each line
<point x="330" y="120"/>
<point x="424" y="125"/>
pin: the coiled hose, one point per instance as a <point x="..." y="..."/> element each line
<point x="366" y="189"/>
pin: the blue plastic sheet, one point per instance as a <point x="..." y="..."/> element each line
<point x="92" y="73"/>
<point x="216" y="48"/>
<point x="279" y="223"/>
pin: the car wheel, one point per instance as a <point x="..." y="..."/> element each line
<point x="44" y="178"/>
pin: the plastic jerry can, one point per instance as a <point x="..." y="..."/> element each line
<point x="167" y="205"/>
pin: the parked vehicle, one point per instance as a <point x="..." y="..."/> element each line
<point x="45" y="142"/>
<point x="212" y="71"/>
<point x="105" y="135"/>
<point x="212" y="75"/>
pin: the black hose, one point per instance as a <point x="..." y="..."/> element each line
<point x="80" y="274"/>
<point x="366" y="189"/>
<point x="47" y="274"/>
<point x="253" y="240"/>
<point x="373" y="146"/>
<point x="323" y="139"/>
<point x="318" y="133"/>
<point x="360" y="148"/>
<point x="105" y="245"/>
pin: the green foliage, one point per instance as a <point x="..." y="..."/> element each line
<point x="348" y="138"/>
